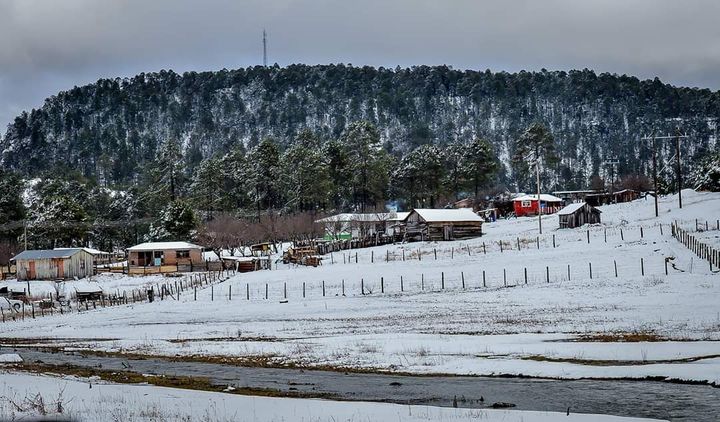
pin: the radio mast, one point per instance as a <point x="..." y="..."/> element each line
<point x="264" y="48"/>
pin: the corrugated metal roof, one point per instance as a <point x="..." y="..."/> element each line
<point x="47" y="253"/>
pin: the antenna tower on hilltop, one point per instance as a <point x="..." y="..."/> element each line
<point x="264" y="48"/>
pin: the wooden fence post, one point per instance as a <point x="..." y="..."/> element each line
<point x="402" y="288"/>
<point x="642" y="267"/>
<point x="504" y="278"/>
<point x="442" y="280"/>
<point x="484" y="284"/>
<point x="615" y="265"/>
<point x="462" y="277"/>
<point x="382" y="285"/>
<point x="362" y="286"/>
<point x="525" y="271"/>
<point x="323" y="288"/>
<point x="547" y="274"/>
<point x="590" y="266"/>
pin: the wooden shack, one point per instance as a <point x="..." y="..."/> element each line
<point x="52" y="264"/>
<point x="442" y="224"/>
<point x="578" y="214"/>
<point x="181" y="256"/>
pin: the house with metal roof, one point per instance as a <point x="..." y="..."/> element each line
<point x="54" y="264"/>
<point x="151" y="257"/>
<point x="443" y="224"/>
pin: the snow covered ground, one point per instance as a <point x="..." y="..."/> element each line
<point x="573" y="318"/>
<point x="23" y="396"/>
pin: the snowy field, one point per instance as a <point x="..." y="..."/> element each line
<point x="24" y="396"/>
<point x="573" y="317"/>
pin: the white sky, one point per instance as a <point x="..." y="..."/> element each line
<point x="51" y="45"/>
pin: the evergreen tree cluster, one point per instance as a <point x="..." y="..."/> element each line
<point x="114" y="131"/>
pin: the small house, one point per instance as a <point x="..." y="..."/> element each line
<point x="443" y="224"/>
<point x="529" y="205"/>
<point x="183" y="256"/>
<point x="53" y="264"/>
<point x="578" y="214"/>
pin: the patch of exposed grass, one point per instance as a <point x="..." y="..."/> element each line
<point x="604" y="362"/>
<point x="184" y="382"/>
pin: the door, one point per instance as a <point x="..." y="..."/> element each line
<point x="31" y="270"/>
<point x="447" y="232"/>
<point x="60" y="268"/>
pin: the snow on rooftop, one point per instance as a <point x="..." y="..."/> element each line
<point x="91" y="251"/>
<point x="158" y="246"/>
<point x="351" y="217"/>
<point x="449" y="215"/>
<point x="543" y="197"/>
<point x="572" y="208"/>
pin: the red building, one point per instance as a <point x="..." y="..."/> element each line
<point x="528" y="204"/>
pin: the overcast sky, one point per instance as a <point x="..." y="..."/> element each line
<point x="51" y="45"/>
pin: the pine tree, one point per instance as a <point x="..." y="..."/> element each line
<point x="536" y="143"/>
<point x="177" y="222"/>
<point x="340" y="173"/>
<point x="305" y="176"/>
<point x="369" y="164"/>
<point x="419" y="176"/>
<point x="480" y="164"/>
<point x="264" y="166"/>
<point x="207" y="187"/>
<point x="234" y="168"/>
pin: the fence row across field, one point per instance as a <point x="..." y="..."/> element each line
<point x="171" y="289"/>
<point x="420" y="253"/>
<point x="697" y="246"/>
<point x="442" y="280"/>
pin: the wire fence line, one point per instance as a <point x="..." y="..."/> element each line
<point x="441" y="281"/>
<point x="700" y="248"/>
<point x="422" y="252"/>
<point x="50" y="304"/>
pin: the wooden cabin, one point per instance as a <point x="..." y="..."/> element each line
<point x="442" y="224"/>
<point x="578" y="214"/>
<point x="53" y="264"/>
<point x="529" y="204"/>
<point x="182" y="256"/>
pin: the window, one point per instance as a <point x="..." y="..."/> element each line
<point x="525" y="204"/>
<point x="182" y="254"/>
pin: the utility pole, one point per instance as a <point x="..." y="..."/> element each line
<point x="677" y="161"/>
<point x="264" y="48"/>
<point x="678" y="169"/>
<point x="25" y="232"/>
<point x="655" y="187"/>
<point x="537" y="172"/>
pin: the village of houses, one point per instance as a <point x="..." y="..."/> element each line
<point x="594" y="287"/>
